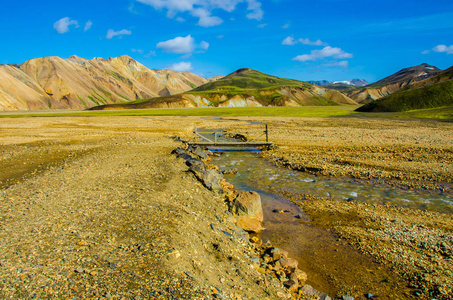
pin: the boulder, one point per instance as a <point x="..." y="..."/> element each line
<point x="248" y="204"/>
<point x="249" y="224"/>
<point x="211" y="179"/>
<point x="288" y="263"/>
<point x="308" y="290"/>
<point x="248" y="212"/>
<point x="198" y="151"/>
<point x="278" y="253"/>
<point x="291" y="285"/>
<point x="299" y="276"/>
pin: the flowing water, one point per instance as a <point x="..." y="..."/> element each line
<point x="331" y="263"/>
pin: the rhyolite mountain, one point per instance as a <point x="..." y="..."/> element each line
<point x="407" y="77"/>
<point x="78" y="83"/>
<point x="432" y="92"/>
<point x="245" y="88"/>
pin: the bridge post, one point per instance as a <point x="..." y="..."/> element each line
<point x="267" y="134"/>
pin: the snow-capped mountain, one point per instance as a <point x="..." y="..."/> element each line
<point x="353" y="82"/>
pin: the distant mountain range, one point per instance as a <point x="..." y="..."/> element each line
<point x="121" y="82"/>
<point x="353" y="82"/>
<point x="246" y="88"/>
<point x="57" y="83"/>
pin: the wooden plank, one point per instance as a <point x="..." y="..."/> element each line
<point x="233" y="144"/>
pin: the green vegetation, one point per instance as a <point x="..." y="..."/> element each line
<point x="122" y="96"/>
<point x="247" y="79"/>
<point x="191" y="84"/>
<point x="99" y="97"/>
<point x="432" y="96"/>
<point x="249" y="83"/>
<point x="81" y="100"/>
<point x="119" y="77"/>
<point x="443" y="113"/>
<point x="93" y="100"/>
<point x="104" y="91"/>
<point x="306" y="111"/>
<point x="344" y="88"/>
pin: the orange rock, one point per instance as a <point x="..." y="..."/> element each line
<point x="249" y="224"/>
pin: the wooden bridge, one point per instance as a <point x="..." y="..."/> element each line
<point x="216" y="142"/>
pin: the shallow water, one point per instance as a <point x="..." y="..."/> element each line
<point x="333" y="266"/>
<point x="255" y="172"/>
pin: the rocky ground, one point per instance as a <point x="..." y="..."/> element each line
<point x="410" y="154"/>
<point x="415" y="155"/>
<point x="98" y="207"/>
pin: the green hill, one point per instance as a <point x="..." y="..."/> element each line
<point x="264" y="89"/>
<point x="246" y="79"/>
<point x="246" y="88"/>
<point x="439" y="94"/>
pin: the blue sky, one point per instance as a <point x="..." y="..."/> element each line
<point x="305" y="40"/>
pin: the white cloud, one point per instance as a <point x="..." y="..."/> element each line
<point x="343" y="64"/>
<point x="262" y="25"/>
<point x="179" y="19"/>
<point x="112" y="33"/>
<point x="255" y="6"/>
<point x="150" y="53"/>
<point x="88" y="25"/>
<point x="206" y="20"/>
<point x="183" y="45"/>
<point x="289" y="41"/>
<point x="443" y="49"/>
<point x="139" y="51"/>
<point x="178" y="45"/>
<point x="286" y="26"/>
<point x="131" y="8"/>
<point x="181" y="67"/>
<point x="204" y="45"/>
<point x="426" y="52"/>
<point x="62" y="25"/>
<point x="203" y="9"/>
<point x="312" y="43"/>
<point x="323" y="53"/>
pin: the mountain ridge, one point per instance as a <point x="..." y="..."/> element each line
<point x="393" y="83"/>
<point x="53" y="82"/>
<point x="432" y="92"/>
<point x="246" y="88"/>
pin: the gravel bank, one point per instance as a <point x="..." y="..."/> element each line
<point x="410" y="154"/>
<point x="417" y="245"/>
<point x="114" y="215"/>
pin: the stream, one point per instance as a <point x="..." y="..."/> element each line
<point x="332" y="265"/>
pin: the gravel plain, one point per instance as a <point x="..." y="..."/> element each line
<point x="97" y="207"/>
